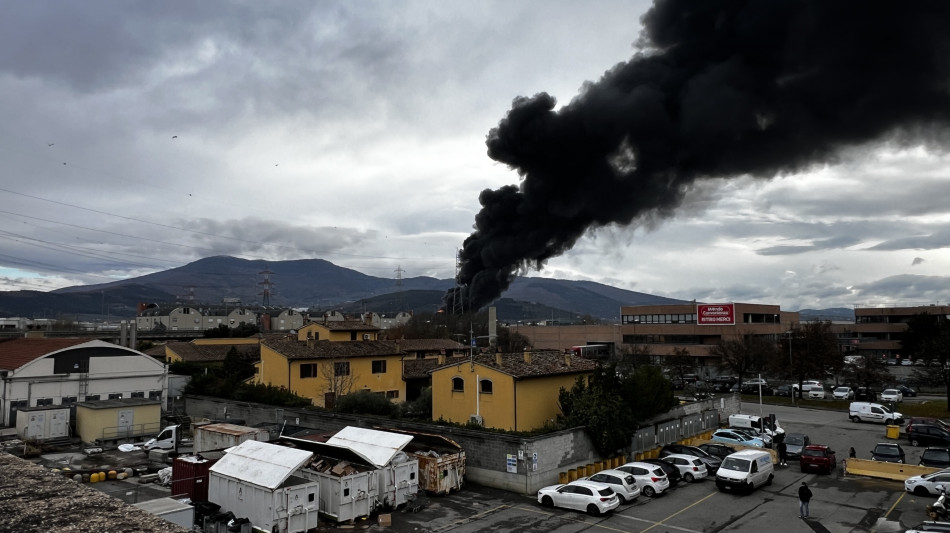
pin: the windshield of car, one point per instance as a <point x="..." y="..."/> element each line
<point x="885" y="409"/>
<point x="734" y="463"/>
<point x="885" y="450"/>
<point x="891" y="392"/>
<point x="698" y="452"/>
<point x="795" y="440"/>
<point x="842" y="390"/>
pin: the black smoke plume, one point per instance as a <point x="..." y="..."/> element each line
<point x="717" y="88"/>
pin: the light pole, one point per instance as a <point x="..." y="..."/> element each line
<point x="791" y="369"/>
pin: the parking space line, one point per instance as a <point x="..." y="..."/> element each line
<point x="585" y="522"/>
<point x="684" y="509"/>
<point x="889" y="511"/>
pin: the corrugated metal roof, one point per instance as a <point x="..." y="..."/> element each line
<point x="378" y="447"/>
<point x="260" y="463"/>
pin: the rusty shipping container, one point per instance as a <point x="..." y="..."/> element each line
<point x="441" y="461"/>
<point x="190" y="477"/>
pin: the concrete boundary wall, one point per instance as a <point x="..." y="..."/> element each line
<point x="509" y="462"/>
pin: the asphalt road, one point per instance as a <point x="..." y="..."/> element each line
<point x="841" y="503"/>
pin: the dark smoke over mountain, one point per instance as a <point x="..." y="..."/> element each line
<point x="717" y="89"/>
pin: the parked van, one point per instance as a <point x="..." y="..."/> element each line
<point x="756" y="423"/>
<point x="745" y="471"/>
<point x="873" y="412"/>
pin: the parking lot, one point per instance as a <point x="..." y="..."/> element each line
<point x="841" y="503"/>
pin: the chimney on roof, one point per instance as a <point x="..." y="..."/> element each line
<point x="527" y="356"/>
<point x="498" y="358"/>
<point x="567" y="358"/>
<point x="441" y="359"/>
<point x="310" y="342"/>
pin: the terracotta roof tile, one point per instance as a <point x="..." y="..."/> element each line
<point x="211" y="353"/>
<point x="428" y="345"/>
<point x="543" y="363"/>
<point x="291" y="348"/>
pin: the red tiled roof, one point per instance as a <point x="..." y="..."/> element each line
<point x="344" y="325"/>
<point x="211" y="353"/>
<point x="428" y="345"/>
<point x="291" y="348"/>
<point x="15" y="353"/>
<point x="543" y="363"/>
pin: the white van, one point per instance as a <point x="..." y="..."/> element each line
<point x="756" y="423"/>
<point x="873" y="412"/>
<point x="745" y="471"/>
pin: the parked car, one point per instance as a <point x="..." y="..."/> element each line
<point x="818" y="457"/>
<point x="651" y="479"/>
<point x="718" y="450"/>
<point x="712" y="462"/>
<point x="732" y="437"/>
<point x="843" y="393"/>
<point x="907" y="391"/>
<point x="926" y="420"/>
<point x="926" y="484"/>
<point x="691" y="468"/>
<point x="935" y="458"/>
<point x="862" y="394"/>
<point x="722" y="383"/>
<point x="806" y="384"/>
<point x="794" y="444"/>
<point x="621" y="482"/>
<point x="782" y="390"/>
<point x="582" y="495"/>
<point x="906" y="362"/>
<point x="748" y="432"/>
<point x="920" y="434"/>
<point x="672" y="473"/>
<point x="816" y="392"/>
<point x="888" y="452"/>
<point x="891" y="395"/>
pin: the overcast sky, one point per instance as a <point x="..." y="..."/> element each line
<point x="141" y="136"/>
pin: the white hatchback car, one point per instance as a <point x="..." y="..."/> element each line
<point x="816" y="392"/>
<point x="651" y="479"/>
<point x="690" y="467"/>
<point x="926" y="484"/>
<point x="843" y="393"/>
<point x="623" y="483"/>
<point x="582" y="495"/>
<point x="892" y="395"/>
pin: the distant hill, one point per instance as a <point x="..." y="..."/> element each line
<point x="832" y="314"/>
<point x="321" y="285"/>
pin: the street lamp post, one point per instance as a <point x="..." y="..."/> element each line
<point x="791" y="369"/>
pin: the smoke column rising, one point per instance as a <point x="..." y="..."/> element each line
<point x="717" y="89"/>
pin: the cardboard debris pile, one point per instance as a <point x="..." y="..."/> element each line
<point x="337" y="468"/>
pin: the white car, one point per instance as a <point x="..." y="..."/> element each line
<point x="651" y="479"/>
<point x="843" y="393"/>
<point x="926" y="484"/>
<point x="623" y="483"/>
<point x="892" y="395"/>
<point x="690" y="467"/>
<point x="582" y="495"/>
<point x="808" y="383"/>
<point x="816" y="392"/>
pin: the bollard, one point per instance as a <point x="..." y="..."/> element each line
<point x="571" y="474"/>
<point x="562" y="478"/>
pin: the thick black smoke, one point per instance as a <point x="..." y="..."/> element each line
<point x="721" y="88"/>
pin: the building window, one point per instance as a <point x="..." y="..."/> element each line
<point x="341" y="369"/>
<point x="485" y="386"/>
<point x="392" y="394"/>
<point x="458" y="384"/>
<point x="40" y="402"/>
<point x="92" y="397"/>
<point x="379" y="367"/>
<point x="154" y="395"/>
<point x="67" y="400"/>
<point x="115" y="396"/>
<point x="308" y="370"/>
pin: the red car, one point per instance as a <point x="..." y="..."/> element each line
<point x="818" y="457"/>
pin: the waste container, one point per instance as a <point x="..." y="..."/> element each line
<point x="893" y="432"/>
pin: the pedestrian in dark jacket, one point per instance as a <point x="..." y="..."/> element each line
<point x="804" y="496"/>
<point x="782" y="453"/>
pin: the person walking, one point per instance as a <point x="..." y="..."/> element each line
<point x="804" y="496"/>
<point x="782" y="453"/>
<point x="851" y="453"/>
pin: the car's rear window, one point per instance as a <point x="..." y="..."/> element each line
<point x="629" y="480"/>
<point x="659" y="472"/>
<point x="605" y="492"/>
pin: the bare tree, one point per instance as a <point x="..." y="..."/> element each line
<point x="338" y="379"/>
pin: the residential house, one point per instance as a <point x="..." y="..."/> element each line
<point x="323" y="370"/>
<point x="338" y="330"/>
<point x="517" y="392"/>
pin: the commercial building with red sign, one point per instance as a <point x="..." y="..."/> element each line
<point x="715" y="314"/>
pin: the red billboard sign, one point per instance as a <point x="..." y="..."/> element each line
<point x="715" y="314"/>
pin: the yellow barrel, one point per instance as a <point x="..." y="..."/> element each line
<point x="572" y="474"/>
<point x="94" y="477"/>
<point x="590" y="469"/>
<point x="562" y="477"/>
<point x="893" y="432"/>
<point x="112" y="474"/>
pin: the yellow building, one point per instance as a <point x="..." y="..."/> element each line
<point x="517" y="392"/>
<point x="338" y="330"/>
<point x="323" y="370"/>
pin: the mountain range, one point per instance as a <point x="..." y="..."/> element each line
<point x="319" y="285"/>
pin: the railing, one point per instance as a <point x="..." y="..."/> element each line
<point x="130" y="432"/>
